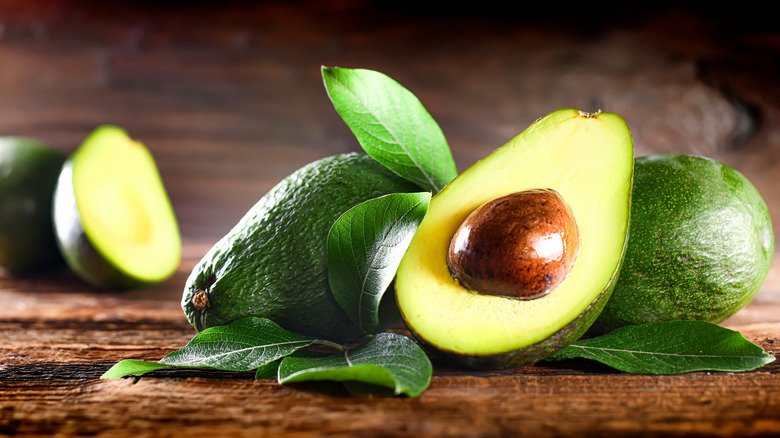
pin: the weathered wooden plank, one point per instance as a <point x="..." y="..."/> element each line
<point x="537" y="404"/>
<point x="51" y="366"/>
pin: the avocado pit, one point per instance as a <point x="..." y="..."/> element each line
<point x="521" y="245"/>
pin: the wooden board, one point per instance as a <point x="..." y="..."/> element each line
<point x="58" y="337"/>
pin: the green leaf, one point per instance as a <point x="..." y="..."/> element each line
<point x="268" y="371"/>
<point x="387" y="359"/>
<point x="243" y="345"/>
<point x="365" y="247"/>
<point x="131" y="367"/>
<point x="391" y="125"/>
<point x="670" y="348"/>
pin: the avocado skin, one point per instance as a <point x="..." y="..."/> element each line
<point x="700" y="244"/>
<point x="273" y="263"/>
<point x="28" y="175"/>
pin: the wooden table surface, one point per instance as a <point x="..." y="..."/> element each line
<point x="228" y="97"/>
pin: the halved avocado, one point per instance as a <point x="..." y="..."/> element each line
<point x="28" y="174"/>
<point x="114" y="222"/>
<point x="588" y="160"/>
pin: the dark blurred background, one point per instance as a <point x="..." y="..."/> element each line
<point x="228" y="94"/>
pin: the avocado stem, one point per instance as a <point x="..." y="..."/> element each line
<point x="587" y="115"/>
<point x="331" y="344"/>
<point x="200" y="300"/>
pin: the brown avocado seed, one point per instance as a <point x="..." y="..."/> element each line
<point x="521" y="245"/>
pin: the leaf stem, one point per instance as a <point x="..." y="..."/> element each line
<point x="330" y="344"/>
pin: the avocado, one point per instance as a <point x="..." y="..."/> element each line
<point x="700" y="244"/>
<point x="28" y="174"/>
<point x="587" y="159"/>
<point x="273" y="263"/>
<point x="113" y="220"/>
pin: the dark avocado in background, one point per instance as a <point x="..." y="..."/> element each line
<point x="273" y="263"/>
<point x="28" y="175"/>
<point x="114" y="222"/>
<point x="700" y="245"/>
<point x="588" y="160"/>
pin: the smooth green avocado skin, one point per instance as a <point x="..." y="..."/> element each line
<point x="700" y="244"/>
<point x="273" y="263"/>
<point x="28" y="175"/>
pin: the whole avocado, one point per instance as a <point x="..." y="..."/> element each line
<point x="273" y="263"/>
<point x="700" y="244"/>
<point x="28" y="176"/>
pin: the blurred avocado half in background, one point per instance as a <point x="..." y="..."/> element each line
<point x="113" y="220"/>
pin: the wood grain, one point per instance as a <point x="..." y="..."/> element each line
<point x="58" y="337"/>
<point x="228" y="97"/>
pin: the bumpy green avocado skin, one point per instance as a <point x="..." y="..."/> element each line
<point x="700" y="244"/>
<point x="28" y="175"/>
<point x="273" y="263"/>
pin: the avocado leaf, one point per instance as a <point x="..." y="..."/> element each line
<point x="246" y="344"/>
<point x="132" y="367"/>
<point x="387" y="359"/>
<point x="671" y="347"/>
<point x="365" y="247"/>
<point x="268" y="371"/>
<point x="391" y="125"/>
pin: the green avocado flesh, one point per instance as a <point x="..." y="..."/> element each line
<point x="28" y="174"/>
<point x="700" y="245"/>
<point x="588" y="160"/>
<point x="113" y="219"/>
<point x="273" y="263"/>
